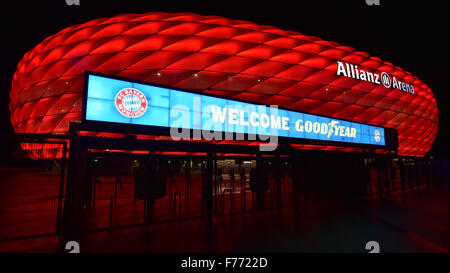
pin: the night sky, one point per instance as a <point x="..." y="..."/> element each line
<point x="412" y="35"/>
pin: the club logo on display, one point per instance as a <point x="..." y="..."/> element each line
<point x="386" y="80"/>
<point x="131" y="102"/>
<point x="377" y="135"/>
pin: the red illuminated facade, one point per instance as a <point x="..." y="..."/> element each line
<point x="215" y="55"/>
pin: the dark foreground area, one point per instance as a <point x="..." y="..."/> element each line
<point x="410" y="222"/>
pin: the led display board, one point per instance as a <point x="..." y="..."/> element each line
<point x="135" y="103"/>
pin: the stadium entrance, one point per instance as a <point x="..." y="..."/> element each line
<point x="127" y="168"/>
<point x="118" y="180"/>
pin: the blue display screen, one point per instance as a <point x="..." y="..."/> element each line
<point x="127" y="102"/>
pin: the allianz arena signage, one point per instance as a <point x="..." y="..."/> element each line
<point x="352" y="71"/>
<point x="122" y="101"/>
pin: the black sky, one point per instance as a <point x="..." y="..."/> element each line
<point x="412" y="35"/>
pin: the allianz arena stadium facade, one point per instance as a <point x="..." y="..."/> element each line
<point x="223" y="57"/>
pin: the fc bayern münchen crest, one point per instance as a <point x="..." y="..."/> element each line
<point x="377" y="135"/>
<point x="131" y="102"/>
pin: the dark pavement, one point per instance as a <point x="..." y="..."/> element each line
<point x="415" y="222"/>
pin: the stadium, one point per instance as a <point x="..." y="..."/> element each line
<point x="100" y="97"/>
<point x="215" y="55"/>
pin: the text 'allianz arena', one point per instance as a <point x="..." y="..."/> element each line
<point x="215" y="55"/>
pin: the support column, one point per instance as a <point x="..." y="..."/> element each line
<point x="416" y="174"/>
<point x="431" y="175"/>
<point x="207" y="187"/>
<point x="295" y="175"/>
<point x="387" y="173"/>
<point x="278" y="178"/>
<point x="61" y="188"/>
<point x="74" y="195"/>
<point x="216" y="184"/>
<point x="379" y="179"/>
<point x="402" y="174"/>
<point x="261" y="181"/>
